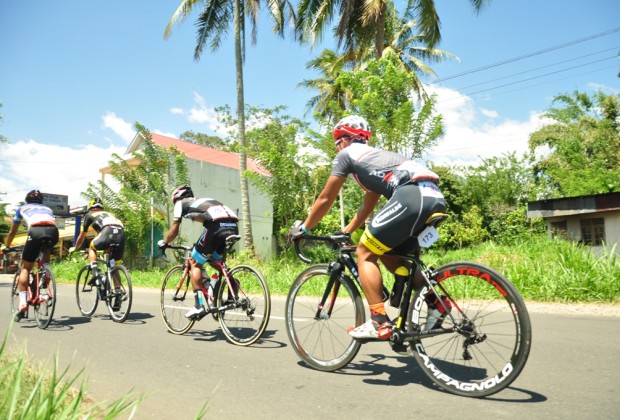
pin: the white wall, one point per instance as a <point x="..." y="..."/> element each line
<point x="223" y="184"/>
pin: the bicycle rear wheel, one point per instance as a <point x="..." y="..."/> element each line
<point x="119" y="297"/>
<point x="318" y="330"/>
<point x="247" y="318"/>
<point x="483" y="345"/>
<point x="176" y="300"/>
<point x="86" y="294"/>
<point x="44" y="309"/>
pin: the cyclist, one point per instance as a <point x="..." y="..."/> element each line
<point x="412" y="193"/>
<point x="219" y="222"/>
<point x="41" y="227"/>
<point x="110" y="231"/>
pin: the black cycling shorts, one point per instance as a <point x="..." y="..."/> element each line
<point x="34" y="244"/>
<point x="213" y="238"/>
<point x="110" y="235"/>
<point x="403" y="216"/>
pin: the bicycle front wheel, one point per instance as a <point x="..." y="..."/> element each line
<point x="44" y="309"/>
<point x="176" y="300"/>
<point x="317" y="329"/>
<point x="248" y="305"/>
<point x="86" y="294"/>
<point x="119" y="296"/>
<point x="484" y="340"/>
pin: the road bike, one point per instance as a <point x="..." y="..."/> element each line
<point x="112" y="285"/>
<point x="237" y="297"/>
<point x="466" y="325"/>
<point x="41" y="290"/>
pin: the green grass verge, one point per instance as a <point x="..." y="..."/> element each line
<point x="542" y="269"/>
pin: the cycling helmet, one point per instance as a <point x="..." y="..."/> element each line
<point x="95" y="203"/>
<point x="181" y="192"/>
<point x="352" y="126"/>
<point x="34" y="196"/>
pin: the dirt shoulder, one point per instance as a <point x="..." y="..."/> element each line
<point x="578" y="309"/>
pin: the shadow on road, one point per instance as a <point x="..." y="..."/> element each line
<point x="410" y="373"/>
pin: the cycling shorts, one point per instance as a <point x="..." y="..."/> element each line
<point x="34" y="244"/>
<point x="110" y="235"/>
<point x="403" y="216"/>
<point x="212" y="242"/>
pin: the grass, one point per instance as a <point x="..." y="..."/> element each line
<point x="30" y="391"/>
<point x="542" y="269"/>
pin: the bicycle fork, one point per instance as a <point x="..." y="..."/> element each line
<point x="326" y="304"/>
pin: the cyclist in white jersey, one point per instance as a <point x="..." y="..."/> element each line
<point x="412" y="193"/>
<point x="41" y="227"/>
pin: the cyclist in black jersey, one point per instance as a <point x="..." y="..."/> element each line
<point x="41" y="226"/>
<point x="110" y="231"/>
<point x="219" y="222"/>
<point x="412" y="193"/>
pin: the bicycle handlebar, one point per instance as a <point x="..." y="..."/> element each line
<point x="12" y="249"/>
<point x="179" y="247"/>
<point x="336" y="241"/>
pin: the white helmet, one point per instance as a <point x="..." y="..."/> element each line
<point x="352" y="126"/>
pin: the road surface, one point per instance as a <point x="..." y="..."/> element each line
<point x="572" y="372"/>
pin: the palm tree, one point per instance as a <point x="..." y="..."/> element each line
<point x="212" y="25"/>
<point x="329" y="64"/>
<point x="359" y="19"/>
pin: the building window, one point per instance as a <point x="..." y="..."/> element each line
<point x="593" y="231"/>
<point x="559" y="229"/>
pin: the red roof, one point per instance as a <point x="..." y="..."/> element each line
<point x="204" y="153"/>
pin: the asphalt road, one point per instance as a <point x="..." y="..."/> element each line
<point x="571" y="374"/>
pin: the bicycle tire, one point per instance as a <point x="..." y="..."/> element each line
<point x="494" y="341"/>
<point x="245" y="323"/>
<point x="323" y="342"/>
<point x="86" y="295"/>
<point x="176" y="299"/>
<point x="123" y="295"/>
<point x="44" y="310"/>
<point x="15" y="296"/>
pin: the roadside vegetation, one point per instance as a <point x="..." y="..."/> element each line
<point x="542" y="269"/>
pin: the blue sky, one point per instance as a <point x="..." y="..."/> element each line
<point x="75" y="76"/>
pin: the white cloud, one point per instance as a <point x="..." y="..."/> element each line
<point x="176" y="111"/>
<point x="472" y="133"/>
<point x="119" y="126"/>
<point x="201" y="113"/>
<point x="28" y="165"/>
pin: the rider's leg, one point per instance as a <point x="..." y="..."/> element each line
<point x="24" y="272"/>
<point x="372" y="285"/>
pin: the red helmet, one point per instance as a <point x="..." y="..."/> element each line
<point x="352" y="126"/>
<point x="181" y="192"/>
<point x="34" y="196"/>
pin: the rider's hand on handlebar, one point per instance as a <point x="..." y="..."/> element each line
<point x="296" y="232"/>
<point x="342" y="234"/>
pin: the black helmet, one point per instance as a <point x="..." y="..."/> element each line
<point x="95" y="203"/>
<point x="181" y="192"/>
<point x="34" y="196"/>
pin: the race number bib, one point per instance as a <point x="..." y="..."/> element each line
<point x="428" y="237"/>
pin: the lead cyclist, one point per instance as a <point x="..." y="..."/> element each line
<point x="413" y="195"/>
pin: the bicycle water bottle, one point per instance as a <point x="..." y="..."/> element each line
<point x="397" y="290"/>
<point x="211" y="288"/>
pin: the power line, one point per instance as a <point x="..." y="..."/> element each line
<point x="539" y="68"/>
<point x="511" y="60"/>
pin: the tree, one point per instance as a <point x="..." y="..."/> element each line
<point x="142" y="186"/>
<point x="205" y="140"/>
<point x="381" y="92"/>
<point x="361" y="20"/>
<point x="583" y="145"/>
<point x="213" y="24"/>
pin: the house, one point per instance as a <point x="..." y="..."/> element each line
<point x="592" y="219"/>
<point x="215" y="173"/>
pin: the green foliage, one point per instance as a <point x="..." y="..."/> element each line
<point x="583" y="144"/>
<point x="380" y="92"/>
<point x="4" y="225"/>
<point x="214" y="142"/>
<point x="31" y="392"/>
<point x="143" y="182"/>
<point x="3" y="139"/>
<point x="465" y="231"/>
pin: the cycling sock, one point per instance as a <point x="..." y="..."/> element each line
<point x="377" y="313"/>
<point x="23" y="296"/>
<point x="199" y="296"/>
